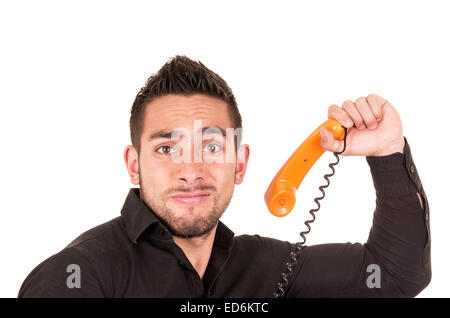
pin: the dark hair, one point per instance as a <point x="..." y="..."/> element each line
<point x="181" y="76"/>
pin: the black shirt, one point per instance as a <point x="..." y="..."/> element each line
<point x="134" y="255"/>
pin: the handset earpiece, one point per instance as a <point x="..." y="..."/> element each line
<point x="280" y="195"/>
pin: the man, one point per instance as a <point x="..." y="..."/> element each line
<point x="169" y="242"/>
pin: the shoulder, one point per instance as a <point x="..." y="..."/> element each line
<point x="51" y="277"/>
<point x="113" y="229"/>
<point x="255" y="244"/>
<point x="89" y="255"/>
<point x="256" y="239"/>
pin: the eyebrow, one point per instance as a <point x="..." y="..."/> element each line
<point x="166" y="134"/>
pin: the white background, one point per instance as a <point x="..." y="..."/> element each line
<point x="69" y="72"/>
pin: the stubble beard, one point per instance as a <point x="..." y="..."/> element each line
<point x="178" y="226"/>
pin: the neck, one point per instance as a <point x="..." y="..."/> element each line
<point x="198" y="250"/>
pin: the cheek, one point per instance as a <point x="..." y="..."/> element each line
<point x="153" y="177"/>
<point x="225" y="177"/>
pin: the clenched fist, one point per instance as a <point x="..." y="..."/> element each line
<point x="374" y="128"/>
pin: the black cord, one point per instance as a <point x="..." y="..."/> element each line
<point x="282" y="286"/>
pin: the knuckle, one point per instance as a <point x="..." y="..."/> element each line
<point x="332" y="107"/>
<point x="332" y="110"/>
<point x="375" y="100"/>
<point x="347" y="104"/>
<point x="360" y="100"/>
<point x="372" y="97"/>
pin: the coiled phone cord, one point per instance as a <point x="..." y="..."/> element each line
<point x="282" y="286"/>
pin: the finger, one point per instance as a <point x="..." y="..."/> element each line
<point x="328" y="142"/>
<point x="376" y="103"/>
<point x="351" y="110"/>
<point x="366" y="113"/>
<point x="335" y="112"/>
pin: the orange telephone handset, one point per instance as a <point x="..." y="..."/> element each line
<point x="280" y="195"/>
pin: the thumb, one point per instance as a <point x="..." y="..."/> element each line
<point x="328" y="142"/>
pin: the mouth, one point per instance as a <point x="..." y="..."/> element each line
<point x="191" y="198"/>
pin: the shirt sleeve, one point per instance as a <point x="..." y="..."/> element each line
<point x="395" y="260"/>
<point x="67" y="274"/>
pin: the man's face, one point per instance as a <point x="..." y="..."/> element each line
<point x="190" y="195"/>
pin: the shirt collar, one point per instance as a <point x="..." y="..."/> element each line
<point x="138" y="217"/>
<point x="136" y="214"/>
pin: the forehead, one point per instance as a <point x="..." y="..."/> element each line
<point x="174" y="111"/>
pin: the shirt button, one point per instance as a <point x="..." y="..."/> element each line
<point x="162" y="232"/>
<point x="182" y="263"/>
<point x="411" y="169"/>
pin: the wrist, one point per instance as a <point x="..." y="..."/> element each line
<point x="390" y="149"/>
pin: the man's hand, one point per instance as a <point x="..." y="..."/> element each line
<point x="375" y="128"/>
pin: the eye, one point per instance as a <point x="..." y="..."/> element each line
<point x="165" y="150"/>
<point x="213" y="147"/>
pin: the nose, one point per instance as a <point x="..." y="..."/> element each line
<point x="191" y="173"/>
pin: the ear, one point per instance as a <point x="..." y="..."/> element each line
<point x="241" y="163"/>
<point x="131" y="158"/>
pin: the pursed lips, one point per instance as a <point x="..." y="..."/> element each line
<point x="190" y="197"/>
